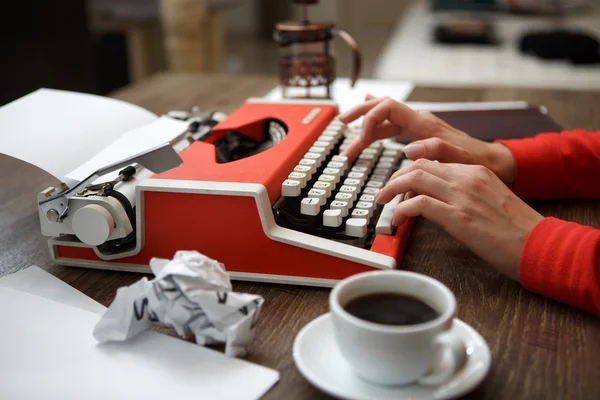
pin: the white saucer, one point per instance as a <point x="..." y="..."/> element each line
<point x="318" y="358"/>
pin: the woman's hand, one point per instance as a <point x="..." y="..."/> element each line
<point x="431" y="137"/>
<point x="470" y="203"/>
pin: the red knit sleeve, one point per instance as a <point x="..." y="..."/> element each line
<point x="561" y="260"/>
<point x="557" y="165"/>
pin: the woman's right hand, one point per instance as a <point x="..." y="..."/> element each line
<point x="430" y="137"/>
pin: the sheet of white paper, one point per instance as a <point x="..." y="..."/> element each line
<point x="34" y="280"/>
<point x="161" y="131"/>
<point x="348" y="97"/>
<point x="58" y="130"/>
<point x="469" y="106"/>
<point x="48" y="351"/>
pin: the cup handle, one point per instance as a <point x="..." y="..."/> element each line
<point x="449" y="356"/>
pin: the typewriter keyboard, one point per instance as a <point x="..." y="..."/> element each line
<point x="324" y="195"/>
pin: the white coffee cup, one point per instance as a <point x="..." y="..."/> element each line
<point x="398" y="354"/>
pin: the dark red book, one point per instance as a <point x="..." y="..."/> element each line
<point x="490" y="125"/>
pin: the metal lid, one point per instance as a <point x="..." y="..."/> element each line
<point x="291" y="32"/>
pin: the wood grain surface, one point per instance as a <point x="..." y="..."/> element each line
<point x="540" y="349"/>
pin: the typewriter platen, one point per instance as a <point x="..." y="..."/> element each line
<point x="263" y="191"/>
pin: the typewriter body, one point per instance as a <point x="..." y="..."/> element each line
<point x="263" y="191"/>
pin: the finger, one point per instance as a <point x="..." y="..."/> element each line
<point x="358" y="111"/>
<point x="437" y="149"/>
<point x="428" y="207"/>
<point x="434" y="118"/>
<point x="419" y="181"/>
<point x="388" y="110"/>
<point x="438" y="121"/>
<point x="384" y="131"/>
<point x="409" y="195"/>
<point x="369" y="97"/>
<point x="443" y="171"/>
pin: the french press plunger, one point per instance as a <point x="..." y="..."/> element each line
<point x="305" y="59"/>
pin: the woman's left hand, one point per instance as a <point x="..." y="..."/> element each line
<point x="471" y="203"/>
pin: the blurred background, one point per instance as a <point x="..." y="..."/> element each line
<point x="98" y="46"/>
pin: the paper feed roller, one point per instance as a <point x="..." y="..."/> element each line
<point x="230" y="199"/>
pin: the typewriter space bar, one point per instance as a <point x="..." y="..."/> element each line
<point x="384" y="223"/>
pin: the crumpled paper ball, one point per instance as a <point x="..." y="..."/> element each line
<point x="192" y="294"/>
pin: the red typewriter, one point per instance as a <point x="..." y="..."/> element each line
<point x="264" y="191"/>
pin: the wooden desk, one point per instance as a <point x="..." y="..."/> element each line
<point x="540" y="349"/>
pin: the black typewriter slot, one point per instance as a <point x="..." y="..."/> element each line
<point x="236" y="145"/>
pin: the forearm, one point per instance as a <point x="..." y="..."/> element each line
<point x="561" y="260"/>
<point x="552" y="165"/>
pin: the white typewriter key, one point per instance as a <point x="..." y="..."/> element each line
<point x="387" y="159"/>
<point x="356" y="227"/>
<point x="347" y="197"/>
<point x="353" y="182"/>
<point x="326" y="145"/>
<point x="360" y="213"/>
<point x="341" y="205"/>
<point x="367" y="197"/>
<point x="342" y="159"/>
<point x="361" y="176"/>
<point x="406" y="163"/>
<point x="318" y="194"/>
<point x="335" y="132"/>
<point x="332" y="218"/>
<point x="309" y="163"/>
<point x="310" y="206"/>
<point x="375" y="145"/>
<point x="318" y="149"/>
<point x="382" y="171"/>
<point x="327" y="178"/>
<point x="384" y="223"/>
<point x="326" y="186"/>
<point x="365" y="205"/>
<point x="337" y="123"/>
<point x="369" y="151"/>
<point x="290" y="188"/>
<point x="318" y="157"/>
<point x="333" y="171"/>
<point x="352" y="190"/>
<point x="366" y="156"/>
<point x="304" y="169"/>
<point x="391" y="153"/>
<point x="322" y="143"/>
<point x="338" y="165"/>
<point x="383" y="164"/>
<point x="371" y="191"/>
<point x="378" y="177"/>
<point x="375" y="184"/>
<point x="360" y="169"/>
<point x="326" y="139"/>
<point x="364" y="163"/>
<point x="298" y="176"/>
<point x="343" y="147"/>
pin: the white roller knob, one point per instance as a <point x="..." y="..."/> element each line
<point x="93" y="224"/>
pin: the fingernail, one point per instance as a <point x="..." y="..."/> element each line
<point x="414" y="150"/>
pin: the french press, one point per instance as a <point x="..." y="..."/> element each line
<point x="305" y="59"/>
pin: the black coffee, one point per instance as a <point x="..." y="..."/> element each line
<point x="391" y="309"/>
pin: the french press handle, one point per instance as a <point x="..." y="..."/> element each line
<point x="356" y="56"/>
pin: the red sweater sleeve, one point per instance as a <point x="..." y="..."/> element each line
<point x="561" y="260"/>
<point x="557" y="165"/>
